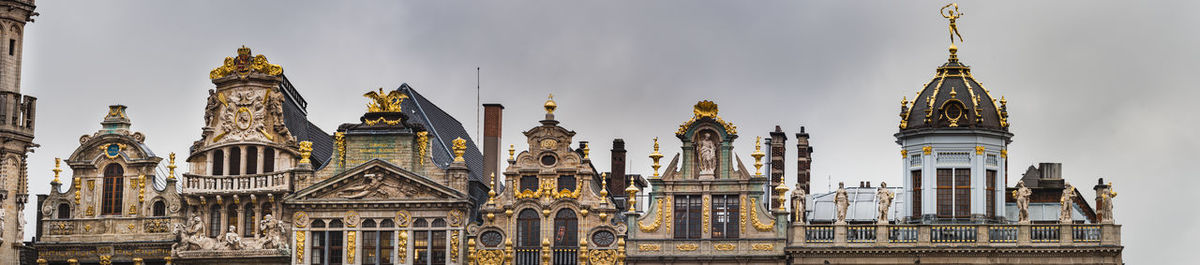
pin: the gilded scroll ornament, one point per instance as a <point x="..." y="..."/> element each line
<point x="743" y="212"/>
<point x="489" y="257"/>
<point x="763" y="246"/>
<point x="402" y="245"/>
<point x="244" y="64"/>
<point x="339" y="139"/>
<point x="649" y="247"/>
<point x="382" y="120"/>
<point x="706" y="215"/>
<point x="706" y="109"/>
<point x="602" y="257"/>
<point x="422" y="146"/>
<point x="754" y="217"/>
<point x="300" y="219"/>
<point x="455" y="218"/>
<point x="300" y="247"/>
<point x="454" y="246"/>
<point x="657" y="219"/>
<point x="687" y="247"/>
<point x="350" y="246"/>
<point x="385" y="103"/>
<point x="724" y="246"/>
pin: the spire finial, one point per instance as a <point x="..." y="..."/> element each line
<point x="656" y="156"/>
<point x="57" y="169"/>
<point x="550" y="105"/>
<point x="171" y="166"/>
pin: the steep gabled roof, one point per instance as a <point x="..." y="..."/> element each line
<point x="444" y="128"/>
<point x="295" y="117"/>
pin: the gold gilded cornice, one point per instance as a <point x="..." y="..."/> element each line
<point x="658" y="219"/>
<point x="244" y="64"/>
<point x="706" y="109"/>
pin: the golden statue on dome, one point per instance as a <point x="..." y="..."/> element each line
<point x="953" y="15"/>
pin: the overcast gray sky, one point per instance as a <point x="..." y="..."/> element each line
<point x="1105" y="87"/>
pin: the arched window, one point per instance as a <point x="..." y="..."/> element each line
<point x="268" y="160"/>
<point x="64" y="211"/>
<point x="528" y="228"/>
<point x="114" y="185"/>
<point x="248" y="221"/>
<point x="218" y="162"/>
<point x="235" y="160"/>
<point x="160" y="208"/>
<point x="232" y="214"/>
<point x="566" y="229"/>
<point x="214" y="221"/>
<point x="251" y="160"/>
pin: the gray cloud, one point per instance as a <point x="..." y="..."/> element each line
<point x="1103" y="87"/>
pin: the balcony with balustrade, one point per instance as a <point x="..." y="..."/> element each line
<point x="273" y="182"/>
<point x="815" y="244"/>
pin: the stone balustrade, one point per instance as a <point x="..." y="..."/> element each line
<point x="97" y="228"/>
<point x="906" y="235"/>
<point x="17" y="113"/>
<point x="280" y="181"/>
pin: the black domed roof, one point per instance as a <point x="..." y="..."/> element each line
<point x="953" y="99"/>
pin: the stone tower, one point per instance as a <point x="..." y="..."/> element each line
<point x="16" y="129"/>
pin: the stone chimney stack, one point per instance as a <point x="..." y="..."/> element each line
<point x="803" y="160"/>
<point x="616" y="179"/>
<point x="776" y="156"/>
<point x="492" y="119"/>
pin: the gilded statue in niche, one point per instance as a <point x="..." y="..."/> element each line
<point x="707" y="150"/>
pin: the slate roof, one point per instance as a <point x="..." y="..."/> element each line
<point x="955" y="78"/>
<point x="443" y="129"/>
<point x="295" y="117"/>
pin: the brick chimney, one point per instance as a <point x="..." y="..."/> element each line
<point x="491" y="141"/>
<point x="777" y="150"/>
<point x="616" y="179"/>
<point x="803" y="160"/>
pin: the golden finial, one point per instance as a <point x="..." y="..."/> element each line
<point x="550" y="105"/>
<point x="655" y="156"/>
<point x="631" y="191"/>
<point x="511" y="150"/>
<point x="492" y="191"/>
<point x="758" y="155"/>
<point x="460" y="147"/>
<point x="305" y="152"/>
<point x="903" y="153"/>
<point x="244" y="64"/>
<point x="57" y="169"/>
<point x="604" y="185"/>
<point x="171" y="166"/>
<point x="782" y="190"/>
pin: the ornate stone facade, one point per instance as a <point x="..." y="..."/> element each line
<point x="116" y="205"/>
<point x="706" y="206"/>
<point x="17" y="113"/>
<point x="554" y="210"/>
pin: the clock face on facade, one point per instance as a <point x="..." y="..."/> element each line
<point x="112" y="150"/>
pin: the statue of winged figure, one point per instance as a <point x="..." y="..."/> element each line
<point x="385" y="103"/>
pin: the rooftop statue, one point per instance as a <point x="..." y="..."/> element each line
<point x="799" y="202"/>
<point x="885" y="197"/>
<point x="1104" y="200"/>
<point x="1068" y="195"/>
<point x="843" y="202"/>
<point x="1022" y="194"/>
<point x="953" y="15"/>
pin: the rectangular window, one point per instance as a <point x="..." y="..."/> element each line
<point x="386" y="245"/>
<point x="318" y="247"/>
<point x="945" y="192"/>
<point x="268" y="160"/>
<point x="12" y="46"/>
<point x="916" y="194"/>
<point x="235" y="161"/>
<point x="420" y="247"/>
<point x="991" y="193"/>
<point x="369" y="241"/>
<point x="335" y="247"/>
<point x="438" y="248"/>
<point x="688" y="211"/>
<point x="962" y="192"/>
<point x="566" y="182"/>
<point x="725" y="216"/>
<point x="529" y="183"/>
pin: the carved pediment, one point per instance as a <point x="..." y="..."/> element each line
<point x="378" y="180"/>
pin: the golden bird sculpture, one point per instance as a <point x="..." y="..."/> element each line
<point x="385" y="103"/>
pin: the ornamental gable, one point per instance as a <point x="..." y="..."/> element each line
<point x="374" y="181"/>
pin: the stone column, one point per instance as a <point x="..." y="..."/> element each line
<point x="839" y="234"/>
<point x="881" y="235"/>
<point x="1024" y="234"/>
<point x="1066" y="234"/>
